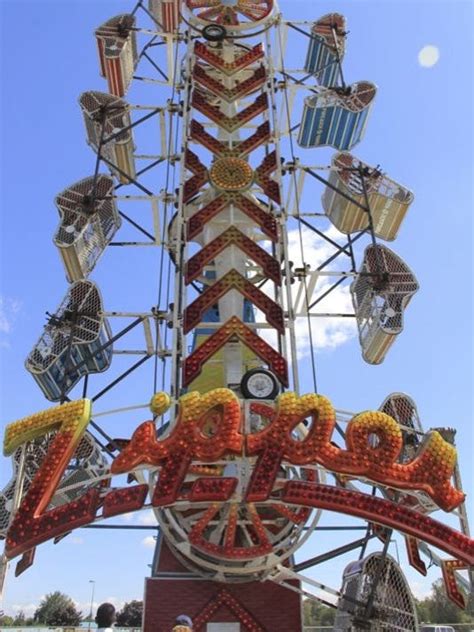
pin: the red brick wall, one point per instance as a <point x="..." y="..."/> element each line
<point x="171" y="591"/>
<point x="275" y="608"/>
<point x="167" y="562"/>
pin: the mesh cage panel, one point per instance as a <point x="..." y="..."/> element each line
<point x="35" y="452"/>
<point x="380" y="294"/>
<point x="87" y="464"/>
<point x="105" y="110"/>
<point x="107" y="117"/>
<point x="403" y="409"/>
<point x="356" y="98"/>
<point x="89" y="220"/>
<point x="394" y="609"/>
<point x="347" y="176"/>
<point x="72" y="343"/>
<point x="331" y="28"/>
<point x="326" y="49"/>
<point x="118" y="34"/>
<point x="380" y="579"/>
<point x="117" y="44"/>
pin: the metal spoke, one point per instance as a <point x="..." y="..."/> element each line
<point x="247" y="14"/>
<point x="202" y="4"/>
<point x="209" y="14"/>
<point x="252" y="10"/>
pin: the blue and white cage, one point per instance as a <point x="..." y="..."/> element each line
<point x="336" y="116"/>
<point x="326" y="49"/>
<point x="75" y="342"/>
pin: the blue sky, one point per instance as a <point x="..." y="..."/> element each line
<point x="420" y="132"/>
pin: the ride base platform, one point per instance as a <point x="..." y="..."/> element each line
<point x="214" y="606"/>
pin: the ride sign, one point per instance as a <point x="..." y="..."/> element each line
<point x="209" y="429"/>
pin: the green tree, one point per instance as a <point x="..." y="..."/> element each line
<point x="131" y="615"/>
<point x="437" y="608"/>
<point x="57" y="609"/>
<point x="6" y="621"/>
<point x="20" y="619"/>
<point x="316" y="613"/>
<point x="441" y="608"/>
<point x="470" y="605"/>
<point x="422" y="609"/>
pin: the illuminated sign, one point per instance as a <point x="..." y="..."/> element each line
<point x="374" y="442"/>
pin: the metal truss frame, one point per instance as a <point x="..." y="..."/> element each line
<point x="291" y="176"/>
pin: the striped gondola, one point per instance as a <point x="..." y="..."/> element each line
<point x="326" y="49"/>
<point x="336" y="116"/>
<point x="117" y="46"/>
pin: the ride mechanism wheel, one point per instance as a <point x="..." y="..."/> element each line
<point x="236" y="465"/>
<point x="259" y="384"/>
<point x="236" y="15"/>
<point x="236" y="541"/>
<point x="214" y="33"/>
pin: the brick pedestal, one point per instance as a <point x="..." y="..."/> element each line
<point x="250" y="607"/>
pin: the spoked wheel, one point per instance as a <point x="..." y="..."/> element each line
<point x="234" y="14"/>
<point x="238" y="540"/>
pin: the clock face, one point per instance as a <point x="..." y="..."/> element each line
<point x="231" y="174"/>
<point x="260" y="385"/>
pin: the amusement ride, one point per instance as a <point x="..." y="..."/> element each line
<point x="237" y="463"/>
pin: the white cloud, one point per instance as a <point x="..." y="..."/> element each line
<point x="28" y="609"/>
<point x="428" y="56"/>
<point x="421" y="590"/>
<point x="326" y="333"/>
<point x="115" y="601"/>
<point x="85" y="606"/>
<point x="9" y="307"/>
<point x="147" y="518"/>
<point x="331" y="332"/>
<point x="315" y="249"/>
<point x="149" y="542"/>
